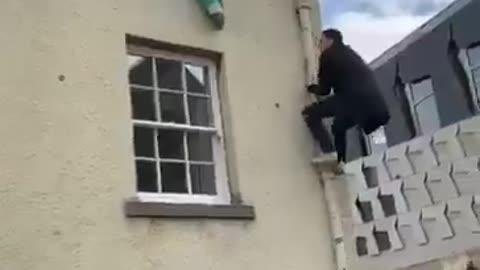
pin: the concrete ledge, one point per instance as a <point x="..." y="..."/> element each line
<point x="137" y="209"/>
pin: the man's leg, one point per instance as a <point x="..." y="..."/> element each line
<point x="313" y="116"/>
<point x="340" y="127"/>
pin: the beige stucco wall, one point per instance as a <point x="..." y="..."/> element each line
<point x="66" y="160"/>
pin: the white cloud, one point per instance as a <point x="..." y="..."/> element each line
<point x="382" y="23"/>
<point x="401" y="7"/>
<point x="370" y="35"/>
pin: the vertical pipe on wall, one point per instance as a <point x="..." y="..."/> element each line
<point x="333" y="188"/>
<point x="304" y="9"/>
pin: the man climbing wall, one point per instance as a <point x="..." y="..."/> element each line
<point x="357" y="100"/>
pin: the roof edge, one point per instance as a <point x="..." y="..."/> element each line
<point x="421" y="31"/>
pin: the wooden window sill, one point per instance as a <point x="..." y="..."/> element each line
<point x="139" y="209"/>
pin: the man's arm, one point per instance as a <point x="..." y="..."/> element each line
<point x="324" y="86"/>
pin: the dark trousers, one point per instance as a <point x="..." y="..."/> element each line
<point x="313" y="116"/>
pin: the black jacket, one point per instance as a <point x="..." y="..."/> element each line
<point x="354" y="85"/>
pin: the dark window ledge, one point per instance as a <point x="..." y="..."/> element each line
<point x="138" y="209"/>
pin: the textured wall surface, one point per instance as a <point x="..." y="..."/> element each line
<point x="66" y="161"/>
<point x="416" y="203"/>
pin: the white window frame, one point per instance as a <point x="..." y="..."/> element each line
<point x="218" y="148"/>
<point x="412" y="105"/>
<point x="466" y="63"/>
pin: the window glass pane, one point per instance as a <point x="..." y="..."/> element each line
<point x="421" y="90"/>
<point x="169" y="74"/>
<point x="170" y="144"/>
<point x="140" y="70"/>
<point x="173" y="91"/>
<point x="143" y="106"/>
<point x="174" y="178"/>
<point x="203" y="179"/>
<point x="197" y="79"/>
<point x="172" y="108"/>
<point x="199" y="110"/>
<point x="427" y="114"/>
<point x="474" y="56"/>
<point x="146" y="176"/>
<point x="403" y="96"/>
<point x="200" y="146"/>
<point x="144" y="142"/>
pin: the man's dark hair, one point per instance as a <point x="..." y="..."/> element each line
<point x="334" y="35"/>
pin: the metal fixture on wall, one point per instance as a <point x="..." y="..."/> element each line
<point x="214" y="10"/>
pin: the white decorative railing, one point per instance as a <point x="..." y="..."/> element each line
<point x="416" y="202"/>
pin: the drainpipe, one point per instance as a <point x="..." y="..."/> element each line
<point x="304" y="9"/>
<point x="334" y="190"/>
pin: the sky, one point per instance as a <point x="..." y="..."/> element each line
<point x="372" y="26"/>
